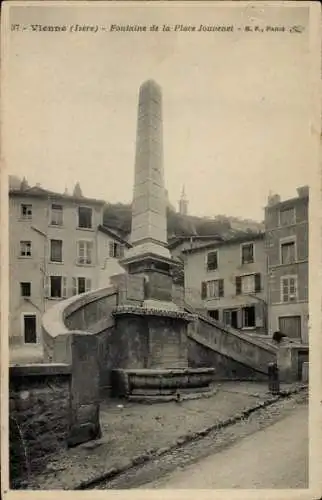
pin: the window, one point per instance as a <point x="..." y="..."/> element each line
<point x="26" y="211"/>
<point x="231" y="317"/>
<point x="212" y="261"/>
<point x="247" y="251"/>
<point x="249" y="317"/>
<point x="81" y="285"/>
<point x="84" y="252"/>
<point x="85" y="217"/>
<point x="25" y="248"/>
<point x="116" y="250"/>
<point x="56" y="250"/>
<point x="248" y="284"/>
<point x="212" y="289"/>
<point x="287" y="216"/>
<point x="288" y="252"/>
<point x="289" y="288"/>
<point x="56" y="215"/>
<point x="214" y="314"/>
<point x="29" y="328"/>
<point x="57" y="287"/>
<point x="25" y="289"/>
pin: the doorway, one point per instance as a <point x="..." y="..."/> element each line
<point x="291" y="326"/>
<point x="234" y="319"/>
<point x="30" y="329"/>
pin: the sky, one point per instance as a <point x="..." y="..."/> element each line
<point x="236" y="105"/>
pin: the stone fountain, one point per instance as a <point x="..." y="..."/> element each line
<point x="154" y="361"/>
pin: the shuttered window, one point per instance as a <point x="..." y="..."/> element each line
<point x="81" y="285"/>
<point x="84" y="252"/>
<point x="56" y="287"/>
<point x="212" y="289"/>
<point x="56" y="250"/>
<point x="116" y="250"/>
<point x="289" y="289"/>
<point x="248" y="284"/>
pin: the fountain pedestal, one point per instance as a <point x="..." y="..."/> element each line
<point x="152" y="334"/>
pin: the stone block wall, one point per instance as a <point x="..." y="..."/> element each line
<point x="85" y="390"/>
<point x="225" y="368"/>
<point x="39" y="413"/>
<point x="167" y="343"/>
<point x="90" y="315"/>
<point x="227" y="343"/>
<point x="130" y="346"/>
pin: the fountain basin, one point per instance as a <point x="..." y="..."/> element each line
<point x="149" y="383"/>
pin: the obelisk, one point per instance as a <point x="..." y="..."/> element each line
<point x="149" y="254"/>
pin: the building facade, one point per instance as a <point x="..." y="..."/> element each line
<point x="286" y="224"/>
<point x="57" y="249"/>
<point x="228" y="279"/>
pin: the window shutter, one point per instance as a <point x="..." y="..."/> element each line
<point x="74" y="287"/>
<point x="258" y="285"/>
<point x="238" y="285"/>
<point x="64" y="287"/>
<point x="111" y="249"/>
<point x="259" y="315"/>
<point x="90" y="255"/>
<point x="203" y="290"/>
<point x="88" y="284"/>
<point x="122" y="251"/>
<point x="240" y="319"/>
<point x="47" y="287"/>
<point x="78" y="251"/>
<point x="221" y="288"/>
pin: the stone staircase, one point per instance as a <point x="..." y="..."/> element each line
<point x="241" y="348"/>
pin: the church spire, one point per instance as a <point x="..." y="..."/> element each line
<point x="183" y="202"/>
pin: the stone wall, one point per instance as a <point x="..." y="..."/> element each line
<point x="129" y="347"/>
<point x="225" y="368"/>
<point x="91" y="312"/>
<point x="168" y="343"/>
<point x="39" y="416"/>
<point x="230" y="344"/>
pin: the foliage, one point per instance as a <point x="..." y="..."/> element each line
<point x="118" y="216"/>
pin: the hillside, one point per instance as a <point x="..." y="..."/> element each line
<point x="118" y="216"/>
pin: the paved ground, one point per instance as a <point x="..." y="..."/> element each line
<point x="276" y="457"/>
<point x="131" y="429"/>
<point x="150" y="474"/>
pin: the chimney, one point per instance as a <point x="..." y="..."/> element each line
<point x="77" y="191"/>
<point x="24" y="184"/>
<point x="303" y="191"/>
<point x="273" y="199"/>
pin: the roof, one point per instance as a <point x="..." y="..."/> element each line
<point x="115" y="236"/>
<point x="39" y="192"/>
<point x="241" y="237"/>
<point x="174" y="242"/>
